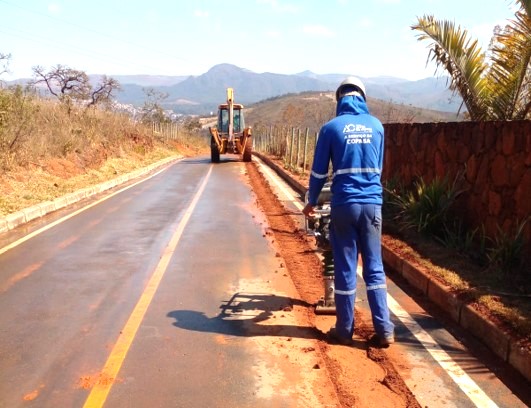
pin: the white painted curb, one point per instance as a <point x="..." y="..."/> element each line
<point x="26" y="215"/>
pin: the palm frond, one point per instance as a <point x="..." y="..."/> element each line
<point x="525" y="6"/>
<point x="461" y="57"/>
<point x="511" y="68"/>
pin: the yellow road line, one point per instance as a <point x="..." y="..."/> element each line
<point x="101" y="390"/>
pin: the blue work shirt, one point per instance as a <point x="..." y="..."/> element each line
<point x="354" y="142"/>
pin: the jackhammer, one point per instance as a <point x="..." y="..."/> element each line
<point x="319" y="227"/>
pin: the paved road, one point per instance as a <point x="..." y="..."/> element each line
<point x="168" y="294"/>
<point x="152" y="298"/>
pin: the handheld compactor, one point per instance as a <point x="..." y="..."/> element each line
<point x="319" y="227"/>
<point x="230" y="135"/>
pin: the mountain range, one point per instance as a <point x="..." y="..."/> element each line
<point x="202" y="94"/>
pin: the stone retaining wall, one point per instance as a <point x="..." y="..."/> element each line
<point x="494" y="159"/>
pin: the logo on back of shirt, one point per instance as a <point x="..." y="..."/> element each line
<point x="356" y="127"/>
<point x="356" y="133"/>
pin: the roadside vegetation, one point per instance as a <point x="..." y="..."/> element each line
<point x="53" y="146"/>
<point x="491" y="271"/>
<point x="494" y="85"/>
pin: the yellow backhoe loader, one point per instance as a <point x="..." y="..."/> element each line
<point x="230" y="135"/>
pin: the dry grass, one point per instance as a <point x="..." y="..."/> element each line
<point x="445" y="274"/>
<point x="475" y="283"/>
<point x="516" y="316"/>
<point x="23" y="187"/>
<point x="47" y="152"/>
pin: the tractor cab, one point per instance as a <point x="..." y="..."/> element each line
<point x="237" y="120"/>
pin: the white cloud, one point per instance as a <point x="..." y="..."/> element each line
<point x="201" y="13"/>
<point x="279" y="6"/>
<point x="152" y="17"/>
<point x="273" y="34"/>
<point x="54" y="8"/>
<point x="366" y="22"/>
<point x="318" y="30"/>
<point x="483" y="33"/>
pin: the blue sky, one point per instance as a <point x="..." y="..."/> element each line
<point x="173" y="37"/>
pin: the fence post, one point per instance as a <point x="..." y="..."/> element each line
<point x="297" y="161"/>
<point x="305" y="154"/>
<point x="270" y="140"/>
<point x="291" y="146"/>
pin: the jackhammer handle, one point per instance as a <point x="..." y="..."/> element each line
<point x="319" y="213"/>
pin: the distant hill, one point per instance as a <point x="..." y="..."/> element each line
<point x="430" y="93"/>
<point x="202" y="94"/>
<point x="149" y="80"/>
<point x="312" y="109"/>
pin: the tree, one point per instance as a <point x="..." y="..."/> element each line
<point x="103" y="92"/>
<point x="71" y="85"/>
<point x="4" y="62"/>
<point x="66" y="84"/>
<point x="192" y="125"/>
<point x="152" y="110"/>
<point x="494" y="86"/>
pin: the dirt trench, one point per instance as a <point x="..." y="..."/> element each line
<point x="363" y="376"/>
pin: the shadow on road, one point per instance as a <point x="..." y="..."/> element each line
<point x="226" y="158"/>
<point x="250" y="315"/>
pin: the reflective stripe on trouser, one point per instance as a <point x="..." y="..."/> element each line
<point x="356" y="228"/>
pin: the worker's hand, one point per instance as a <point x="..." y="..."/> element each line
<point x="308" y="211"/>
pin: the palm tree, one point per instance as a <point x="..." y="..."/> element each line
<point x="494" y="86"/>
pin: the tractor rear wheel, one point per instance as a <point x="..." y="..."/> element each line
<point x="247" y="152"/>
<point x="214" y="151"/>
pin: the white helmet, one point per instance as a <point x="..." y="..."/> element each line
<point x="348" y="86"/>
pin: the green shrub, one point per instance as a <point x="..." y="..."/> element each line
<point x="457" y="236"/>
<point x="424" y="207"/>
<point x="505" y="254"/>
<point x="392" y="190"/>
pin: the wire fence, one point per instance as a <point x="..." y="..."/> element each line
<point x="294" y="146"/>
<point x="167" y="131"/>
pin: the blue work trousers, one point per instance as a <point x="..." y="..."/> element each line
<point x="357" y="229"/>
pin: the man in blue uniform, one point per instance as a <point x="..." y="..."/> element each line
<point x="354" y="142"/>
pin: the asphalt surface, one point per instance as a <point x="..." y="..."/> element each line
<point x="149" y="298"/>
<point x="163" y="294"/>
